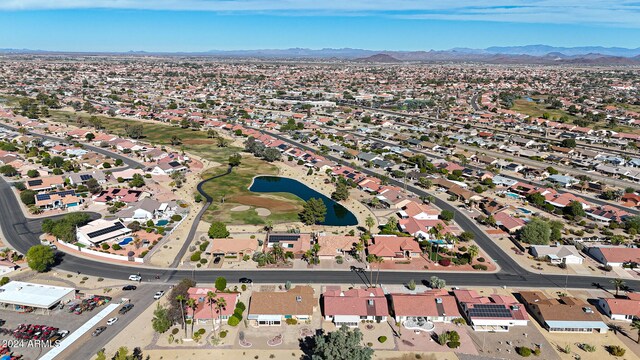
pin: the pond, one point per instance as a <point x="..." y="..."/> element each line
<point x="337" y="215"/>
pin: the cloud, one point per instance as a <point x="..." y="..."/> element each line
<point x="600" y="12"/>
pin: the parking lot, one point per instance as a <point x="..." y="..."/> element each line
<point x="61" y="319"/>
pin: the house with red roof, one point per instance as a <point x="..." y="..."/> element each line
<point x="491" y="313"/>
<point x="206" y="310"/>
<point x="419" y="211"/>
<point x="508" y="223"/>
<point x="621" y="309"/>
<point x="614" y="255"/>
<point x="391" y="247"/>
<point x="350" y="307"/>
<point x="432" y="305"/>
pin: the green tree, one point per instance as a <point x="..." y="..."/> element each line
<point x="473" y="251"/>
<point x="568" y="143"/>
<point x="235" y="159"/>
<point x="89" y="136"/>
<point x="134" y="131"/>
<point x="342" y="344"/>
<point x="618" y="284"/>
<point x="28" y="197"/>
<point x="137" y="181"/>
<point x="369" y="222"/>
<point x="40" y="258"/>
<point x="218" y="230"/>
<point x="314" y="211"/>
<point x="193" y="305"/>
<point x="446" y="215"/>
<point x="437" y="283"/>
<point x="100" y="355"/>
<point x="211" y="300"/>
<point x="271" y="154"/>
<point x="556" y="230"/>
<point x="8" y="170"/>
<point x="93" y="186"/>
<point x="342" y="191"/>
<point x="160" y="322"/>
<point x="536" y="232"/>
<point x="221" y="283"/>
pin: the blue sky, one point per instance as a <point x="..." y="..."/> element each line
<point x="200" y="25"/>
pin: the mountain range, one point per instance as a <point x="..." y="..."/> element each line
<point x="529" y="54"/>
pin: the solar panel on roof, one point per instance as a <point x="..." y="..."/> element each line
<point x="489" y="310"/>
<point x="283" y="237"/>
<point x="34" y="182"/>
<point x="42" y="197"/>
<point x="174" y="164"/>
<point x="86" y="177"/>
<point x="115" y="227"/>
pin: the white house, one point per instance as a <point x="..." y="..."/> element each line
<point x="567" y="254"/>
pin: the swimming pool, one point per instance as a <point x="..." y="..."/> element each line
<point x="125" y="241"/>
<point x="162" y="222"/>
<point x="512" y="195"/>
<point x="438" y="242"/>
<point x="524" y="211"/>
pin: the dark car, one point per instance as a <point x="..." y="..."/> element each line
<point x="123" y="310"/>
<point x="129" y="287"/>
<point x="217" y="260"/>
<point x="98" y="330"/>
<point x="245" y="280"/>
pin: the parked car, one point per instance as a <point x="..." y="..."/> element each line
<point x="129" y="287"/>
<point x="112" y="321"/>
<point x="158" y="295"/>
<point x="98" y="331"/>
<point x="245" y="280"/>
<point x="135" y="277"/>
<point x="217" y="260"/>
<point x="123" y="310"/>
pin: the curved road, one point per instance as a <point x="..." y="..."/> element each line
<point x="22" y="233"/>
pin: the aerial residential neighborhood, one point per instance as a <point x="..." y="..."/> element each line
<point x="246" y="179"/>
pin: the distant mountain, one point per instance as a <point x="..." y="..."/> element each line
<point x="379" y="58"/>
<point x="529" y="54"/>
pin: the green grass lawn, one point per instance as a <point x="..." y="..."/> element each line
<point x="534" y="109"/>
<point x="233" y="187"/>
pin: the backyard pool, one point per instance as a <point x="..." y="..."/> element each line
<point x="162" y="222"/>
<point x="125" y="241"/>
<point x="525" y="211"/>
<point x="337" y="215"/>
<point x="513" y="195"/>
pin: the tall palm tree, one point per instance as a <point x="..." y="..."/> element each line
<point x="193" y="305"/>
<point x="221" y="304"/>
<point x="635" y="324"/>
<point x="181" y="300"/>
<point x="379" y="261"/>
<point x="369" y="222"/>
<point x="473" y="252"/>
<point x="357" y="249"/>
<point x="211" y="299"/>
<point x="617" y="283"/>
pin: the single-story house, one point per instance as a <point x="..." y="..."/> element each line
<point x="100" y="230"/>
<point x="566" y="314"/>
<point x="495" y="313"/>
<point x="335" y="245"/>
<point x="271" y="308"/>
<point x="433" y="305"/>
<point x="567" y="254"/>
<point x="350" y="307"/>
<point x="207" y="310"/>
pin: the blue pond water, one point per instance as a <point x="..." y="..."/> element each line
<point x="337" y="215"/>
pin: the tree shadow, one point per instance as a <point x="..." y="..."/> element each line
<point x="307" y="344"/>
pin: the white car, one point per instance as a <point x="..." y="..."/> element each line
<point x="135" y="277"/>
<point x="112" y="321"/>
<point x="158" y="295"/>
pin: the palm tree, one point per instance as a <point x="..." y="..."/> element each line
<point x="221" y="304"/>
<point x="635" y="324"/>
<point x="357" y="249"/>
<point x="277" y="251"/>
<point x="369" y="222"/>
<point x="268" y="226"/>
<point x="379" y="260"/>
<point x="473" y="252"/>
<point x="211" y="299"/>
<point x="137" y="242"/>
<point x="193" y="305"/>
<point x="181" y="300"/>
<point x="617" y="283"/>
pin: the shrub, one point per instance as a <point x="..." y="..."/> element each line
<point x="196" y="256"/>
<point x="243" y="287"/>
<point x="616" y="350"/>
<point x="480" y="267"/>
<point x="201" y="331"/>
<point x="176" y="217"/>
<point x="4" y="281"/>
<point x="445" y="262"/>
<point x="233" y="320"/>
<point x="339" y="260"/>
<point x="204" y="246"/>
<point x="291" y="321"/>
<point x="203" y="261"/>
<point x="223" y="334"/>
<point x="240" y="305"/>
<point x="116" y="247"/>
<point x="453" y="344"/>
<point x="382" y="339"/>
<point x="523" y="351"/>
<point x="480" y="259"/>
<point x="175" y="331"/>
<point x="100" y="279"/>
<point x="144" y="253"/>
<point x="105" y="246"/>
<point x="588" y="347"/>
